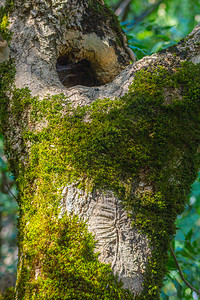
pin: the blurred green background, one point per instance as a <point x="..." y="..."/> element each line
<point x="8" y="217"/>
<point x="150" y="26"/>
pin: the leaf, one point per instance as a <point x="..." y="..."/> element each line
<point x="164" y="296"/>
<point x="190" y="248"/>
<point x="129" y="37"/>
<point x="178" y="288"/>
<point x="163" y="37"/>
<point x="171" y="264"/>
<point x="138" y="52"/>
<point x="157" y="47"/>
<point x="188" y="236"/>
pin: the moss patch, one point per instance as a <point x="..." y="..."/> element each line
<point x="142" y="146"/>
<point x="4" y="12"/>
<point x="9" y="294"/>
<point x="61" y="251"/>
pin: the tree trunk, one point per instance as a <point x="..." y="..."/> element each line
<point x="101" y="149"/>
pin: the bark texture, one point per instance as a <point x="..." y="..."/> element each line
<point x="117" y="242"/>
<point x="47" y="30"/>
<point x="47" y="33"/>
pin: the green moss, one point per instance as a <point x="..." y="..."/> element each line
<point x="9" y="294"/>
<point x="149" y="135"/>
<point x="62" y="250"/>
<point x="7" y="73"/>
<point x="4" y="12"/>
<point x="7" y="70"/>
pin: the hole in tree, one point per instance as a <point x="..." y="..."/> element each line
<point x="71" y="73"/>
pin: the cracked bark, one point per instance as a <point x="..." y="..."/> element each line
<point x="118" y="243"/>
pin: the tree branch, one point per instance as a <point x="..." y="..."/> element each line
<point x="180" y="272"/>
<point x="115" y="6"/>
<point x="9" y="190"/>
<point x="122" y="7"/>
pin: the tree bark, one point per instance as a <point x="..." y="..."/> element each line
<point x="56" y="45"/>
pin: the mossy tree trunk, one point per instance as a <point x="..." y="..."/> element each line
<point x="101" y="149"/>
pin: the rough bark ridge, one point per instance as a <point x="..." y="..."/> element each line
<point x="76" y="30"/>
<point x="46" y="33"/>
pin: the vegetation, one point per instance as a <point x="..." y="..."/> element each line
<point x="153" y="25"/>
<point x="144" y="122"/>
<point x="113" y="119"/>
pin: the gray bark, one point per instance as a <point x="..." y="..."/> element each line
<point x="118" y="243"/>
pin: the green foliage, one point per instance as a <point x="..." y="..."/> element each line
<point x="154" y="25"/>
<point x="8" y="213"/>
<point x="187" y="251"/>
